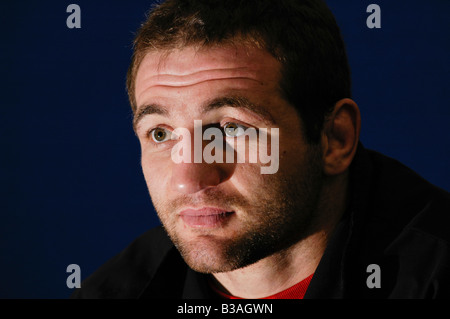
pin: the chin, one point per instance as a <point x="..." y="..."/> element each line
<point x="206" y="255"/>
<point x="209" y="254"/>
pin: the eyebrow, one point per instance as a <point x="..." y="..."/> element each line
<point x="238" y="102"/>
<point x="148" y="110"/>
<point x="214" y="104"/>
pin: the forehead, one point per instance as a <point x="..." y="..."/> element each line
<point x="191" y="65"/>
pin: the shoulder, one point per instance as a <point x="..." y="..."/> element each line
<point x="405" y="199"/>
<point x="127" y="274"/>
<point x="402" y="225"/>
<point x="422" y="251"/>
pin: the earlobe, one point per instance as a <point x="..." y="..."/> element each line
<point x="341" y="136"/>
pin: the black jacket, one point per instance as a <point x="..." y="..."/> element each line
<point x="396" y="220"/>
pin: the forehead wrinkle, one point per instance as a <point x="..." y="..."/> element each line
<point x="189" y="79"/>
<point x="198" y="64"/>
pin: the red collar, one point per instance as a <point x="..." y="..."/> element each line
<point x="295" y="292"/>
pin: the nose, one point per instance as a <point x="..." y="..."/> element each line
<point x="193" y="173"/>
<point x="190" y="178"/>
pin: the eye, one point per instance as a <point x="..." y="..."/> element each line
<point x="233" y="129"/>
<point x="160" y="135"/>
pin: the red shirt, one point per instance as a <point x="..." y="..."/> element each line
<point x="295" y="292"/>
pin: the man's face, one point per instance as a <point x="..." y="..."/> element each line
<point x="224" y="216"/>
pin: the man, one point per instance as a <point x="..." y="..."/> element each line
<point x="329" y="220"/>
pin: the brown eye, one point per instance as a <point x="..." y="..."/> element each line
<point x="160" y="135"/>
<point x="233" y="129"/>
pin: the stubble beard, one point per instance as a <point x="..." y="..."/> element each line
<point x="281" y="214"/>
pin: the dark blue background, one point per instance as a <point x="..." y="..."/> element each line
<point x="71" y="184"/>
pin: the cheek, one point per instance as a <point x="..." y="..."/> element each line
<point x="292" y="150"/>
<point x="156" y="170"/>
<point x="248" y="180"/>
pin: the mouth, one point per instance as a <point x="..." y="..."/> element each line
<point x="206" y="217"/>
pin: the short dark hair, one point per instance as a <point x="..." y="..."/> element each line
<point x="301" y="34"/>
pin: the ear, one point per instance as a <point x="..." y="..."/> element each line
<point x="340" y="137"/>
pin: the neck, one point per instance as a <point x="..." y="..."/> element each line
<point x="286" y="268"/>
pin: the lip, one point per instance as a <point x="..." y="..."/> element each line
<point x="207" y="217"/>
